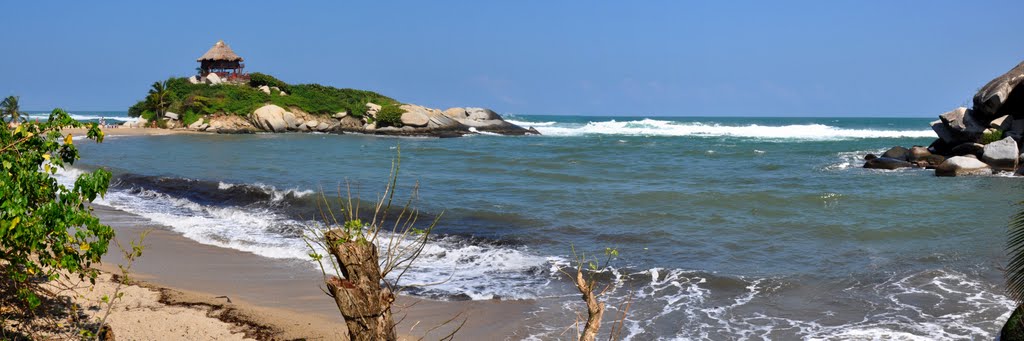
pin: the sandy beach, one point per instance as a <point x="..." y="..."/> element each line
<point x="269" y="298"/>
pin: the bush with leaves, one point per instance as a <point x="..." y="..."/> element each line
<point x="257" y="79"/>
<point x="390" y="116"/>
<point x="47" y="228"/>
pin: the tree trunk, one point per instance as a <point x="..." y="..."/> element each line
<point x="365" y="306"/>
<point x="595" y="309"/>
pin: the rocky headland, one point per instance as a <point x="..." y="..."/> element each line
<point x="269" y="105"/>
<point x="982" y="140"/>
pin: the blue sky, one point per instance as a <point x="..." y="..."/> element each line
<point x="650" y="58"/>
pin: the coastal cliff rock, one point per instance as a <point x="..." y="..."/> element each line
<point x="887" y="163"/>
<point x="1002" y="95"/>
<point x="979" y="140"/>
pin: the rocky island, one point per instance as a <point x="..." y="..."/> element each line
<point x="978" y="141"/>
<point x="223" y="99"/>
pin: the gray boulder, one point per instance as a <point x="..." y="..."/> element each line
<point x="265" y="89"/>
<point x="962" y="124"/>
<point x="1002" y="123"/>
<point x="1001" y="154"/>
<point x="898" y="153"/>
<point x="213" y="79"/>
<point x="311" y="124"/>
<point x="171" y="115"/>
<point x="340" y="115"/>
<point x="323" y="126"/>
<point x="943" y="131"/>
<point x="1002" y="91"/>
<point x="887" y="163"/>
<point x="456" y="113"/>
<point x="196" y="125"/>
<point x="481" y="114"/>
<point x="372" y="109"/>
<point x="350" y="122"/>
<point x="961" y="165"/>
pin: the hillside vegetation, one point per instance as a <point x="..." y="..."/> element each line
<point x="194" y="100"/>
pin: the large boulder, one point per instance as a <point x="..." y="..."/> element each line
<point x="918" y="153"/>
<point x="943" y="132"/>
<point x="969" y="148"/>
<point x="1002" y="95"/>
<point x="270" y="118"/>
<point x="887" y="163"/>
<point x="351" y="122"/>
<point x="196" y="125"/>
<point x="290" y="120"/>
<point x="1001" y="123"/>
<point x="1001" y="154"/>
<point x="962" y="165"/>
<point x="195" y="80"/>
<point x="265" y="89"/>
<point x="962" y="123"/>
<point x="212" y="79"/>
<point x="898" y="153"/>
<point x="340" y="115"/>
<point x="372" y="109"/>
<point x="312" y="124"/>
<point x="456" y="113"/>
<point x="171" y="116"/>
<point x="481" y="114"/>
<point x="415" y="115"/>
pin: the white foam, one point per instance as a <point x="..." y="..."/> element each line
<point x="652" y="127"/>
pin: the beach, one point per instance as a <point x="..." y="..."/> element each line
<point x="268" y="298"/>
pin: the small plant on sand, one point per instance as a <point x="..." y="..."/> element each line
<point x="587" y="285"/>
<point x="363" y="278"/>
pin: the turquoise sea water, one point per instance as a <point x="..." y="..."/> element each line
<point x="727" y="227"/>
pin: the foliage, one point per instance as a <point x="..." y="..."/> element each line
<point x="190" y="117"/>
<point x="45" y="227"/>
<point x="390" y="116"/>
<point x="991" y="136"/>
<point x="257" y="79"/>
<point x="316" y="99"/>
<point x="157" y="99"/>
<point x="10" y="108"/>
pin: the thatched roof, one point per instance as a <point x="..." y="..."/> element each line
<point x="220" y="52"/>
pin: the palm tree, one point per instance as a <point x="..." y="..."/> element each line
<point x="158" y="100"/>
<point x="10" y="107"/>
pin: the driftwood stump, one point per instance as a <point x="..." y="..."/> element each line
<point x="364" y="304"/>
<point x="595" y="308"/>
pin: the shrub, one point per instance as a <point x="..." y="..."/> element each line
<point x="991" y="136"/>
<point x="47" y="228"/>
<point x="257" y="79"/>
<point x="390" y="116"/>
<point x="190" y="117"/>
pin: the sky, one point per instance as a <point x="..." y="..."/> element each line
<point x="644" y="58"/>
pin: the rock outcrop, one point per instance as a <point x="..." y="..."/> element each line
<point x="270" y="118"/>
<point x="979" y="140"/>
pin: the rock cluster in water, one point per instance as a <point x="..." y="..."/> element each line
<point x="977" y="141"/>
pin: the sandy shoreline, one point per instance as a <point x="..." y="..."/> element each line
<point x="280" y="299"/>
<point x="125" y="131"/>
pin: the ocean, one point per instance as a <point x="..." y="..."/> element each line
<point x="727" y="228"/>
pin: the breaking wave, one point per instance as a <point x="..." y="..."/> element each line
<point x="652" y="127"/>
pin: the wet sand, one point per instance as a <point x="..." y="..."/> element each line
<point x="284" y="295"/>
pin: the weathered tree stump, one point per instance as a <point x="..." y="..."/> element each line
<point x="364" y="304"/>
<point x="595" y="308"/>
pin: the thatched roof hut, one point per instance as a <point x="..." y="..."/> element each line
<point x="220" y="59"/>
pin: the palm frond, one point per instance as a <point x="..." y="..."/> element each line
<point x="1015" y="251"/>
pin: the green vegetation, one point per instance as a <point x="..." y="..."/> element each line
<point x="47" y="228"/>
<point x="202" y="99"/>
<point x="991" y="136"/>
<point x="390" y="116"/>
<point x="257" y="79"/>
